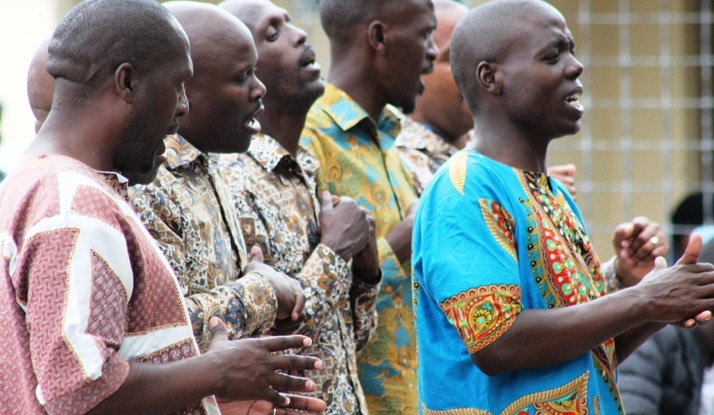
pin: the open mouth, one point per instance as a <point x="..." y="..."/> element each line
<point x="574" y="100"/>
<point x="252" y="123"/>
<point x="308" y="59"/>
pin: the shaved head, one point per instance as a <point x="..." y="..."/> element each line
<point x="248" y="11"/>
<point x="40" y="85"/>
<point x="97" y="36"/>
<point x="340" y="18"/>
<point x="487" y="33"/>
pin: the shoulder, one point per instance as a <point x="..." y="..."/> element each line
<point x="470" y="175"/>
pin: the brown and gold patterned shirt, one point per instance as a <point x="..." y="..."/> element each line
<point x="278" y="207"/>
<point x="189" y="210"/>
<point x="422" y="150"/>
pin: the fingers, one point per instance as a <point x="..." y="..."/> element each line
<point x="295" y="362"/>
<point x="218" y="329"/>
<point x="327" y="201"/>
<point x="287" y="383"/>
<point x="280" y="343"/>
<point x="303" y="403"/>
<point x="567" y="170"/>
<point x="694" y="249"/>
<point x="622" y="232"/>
<point x="256" y="254"/>
<point x="299" y="301"/>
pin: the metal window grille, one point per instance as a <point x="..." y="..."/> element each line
<point x="659" y="76"/>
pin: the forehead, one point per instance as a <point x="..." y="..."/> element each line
<point x="447" y="18"/>
<point x="535" y="31"/>
<point x="414" y="13"/>
<point x="266" y="12"/>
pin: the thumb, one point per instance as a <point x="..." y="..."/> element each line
<point x="694" y="249"/>
<point x="326" y="201"/>
<point x="218" y="329"/>
<point x="256" y="254"/>
<point x="660" y="264"/>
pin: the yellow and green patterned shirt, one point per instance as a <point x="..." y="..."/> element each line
<point x="190" y="212"/>
<point x="358" y="159"/>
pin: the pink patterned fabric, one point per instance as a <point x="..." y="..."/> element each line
<point x="84" y="290"/>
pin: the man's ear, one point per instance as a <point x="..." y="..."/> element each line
<point x="490" y="77"/>
<point x="376" y="35"/>
<point x="124" y="82"/>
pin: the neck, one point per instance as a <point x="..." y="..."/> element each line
<point x="284" y="121"/>
<point x="500" y="139"/>
<point x="73" y="132"/>
<point x="449" y="138"/>
<point x="349" y="72"/>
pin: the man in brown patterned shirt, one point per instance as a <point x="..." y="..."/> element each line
<point x="188" y="208"/>
<point x="308" y="237"/>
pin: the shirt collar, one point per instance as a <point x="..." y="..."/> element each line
<point x="180" y="152"/>
<point x="347" y="113"/>
<point x="269" y="153"/>
<point x="422" y="137"/>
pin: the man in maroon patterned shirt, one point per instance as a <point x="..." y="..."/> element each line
<point x="91" y="316"/>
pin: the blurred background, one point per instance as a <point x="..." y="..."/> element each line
<point x="646" y="142"/>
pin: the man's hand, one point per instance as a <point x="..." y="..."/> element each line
<point x="400" y="238"/>
<point x="635" y="247"/>
<point x="248" y="367"/>
<point x="298" y="405"/>
<point x="288" y="292"/>
<point x="343" y="224"/>
<point x="565" y="174"/>
<point x="365" y="265"/>
<point x="687" y="289"/>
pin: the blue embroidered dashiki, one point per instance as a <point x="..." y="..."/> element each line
<point x="490" y="241"/>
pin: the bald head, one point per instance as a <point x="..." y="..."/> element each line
<point x="40" y="85"/>
<point x="248" y="11"/>
<point x="97" y="36"/>
<point x="210" y="30"/>
<point x="488" y="33"/>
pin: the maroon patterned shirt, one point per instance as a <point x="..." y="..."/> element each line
<point x="84" y="291"/>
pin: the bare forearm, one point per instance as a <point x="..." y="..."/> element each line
<point x="629" y="341"/>
<point x="573" y="331"/>
<point x="400" y="239"/>
<point x="162" y="388"/>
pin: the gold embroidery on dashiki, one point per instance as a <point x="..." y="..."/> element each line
<point x="481" y="315"/>
<point x="569" y="399"/>
<point x="501" y="225"/>
<point x="457" y="171"/>
<point x="188" y="209"/>
<point x="459" y="411"/>
<point x="278" y="208"/>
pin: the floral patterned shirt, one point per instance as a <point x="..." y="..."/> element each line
<point x="85" y="291"/>
<point x="357" y="159"/>
<point x="422" y="150"/>
<point x="278" y="208"/>
<point x="189" y="210"/>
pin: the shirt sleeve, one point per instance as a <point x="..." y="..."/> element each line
<point x="80" y="282"/>
<point x="325" y="279"/>
<point x="247" y="306"/>
<point x="465" y="259"/>
<point x="363" y="299"/>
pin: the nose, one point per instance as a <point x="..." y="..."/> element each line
<point x="574" y="69"/>
<point x="432" y="51"/>
<point x="257" y="90"/>
<point x="299" y="36"/>
<point x="182" y="107"/>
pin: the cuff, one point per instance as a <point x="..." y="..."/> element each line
<point x="260" y="302"/>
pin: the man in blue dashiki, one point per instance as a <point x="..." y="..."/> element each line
<point x="508" y="291"/>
